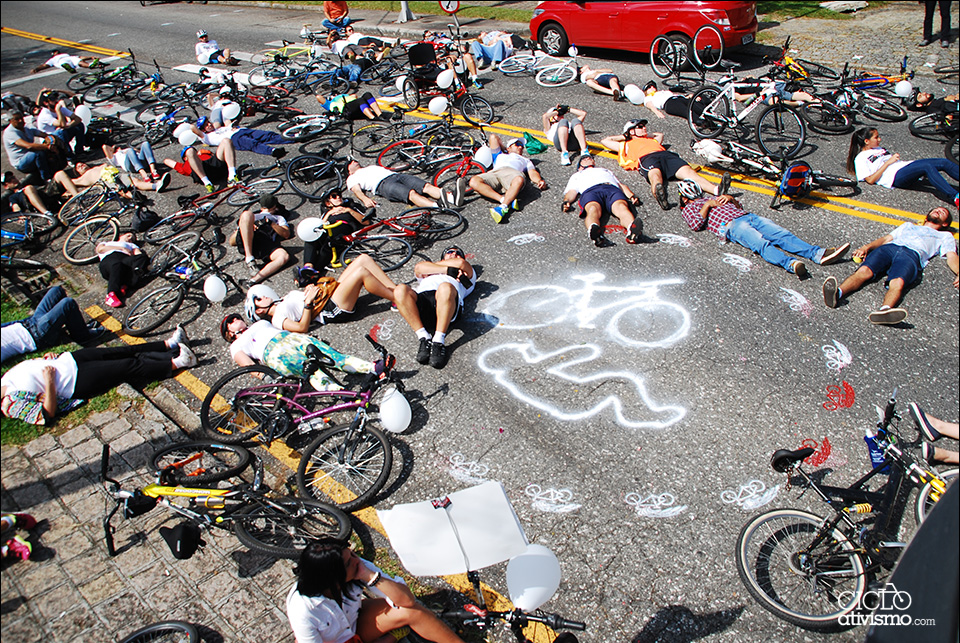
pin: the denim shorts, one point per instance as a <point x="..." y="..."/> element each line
<point x="897" y="262"/>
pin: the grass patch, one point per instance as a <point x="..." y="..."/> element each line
<point x="787" y="9"/>
<point x="467" y="10"/>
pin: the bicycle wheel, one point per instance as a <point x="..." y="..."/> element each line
<point x="165" y="632"/>
<point x="383" y="72"/>
<point x="81" y="82"/>
<point x="476" y="110"/>
<point x="99" y="93"/>
<point x="268" y="92"/>
<point x="826" y="117"/>
<point x="663" y="57"/>
<point x="283" y="527"/>
<point x="347" y="463"/>
<point x="427" y="220"/>
<point x="816" y="70"/>
<point x="80" y="246"/>
<point x="808" y="587"/>
<point x="951" y="149"/>
<point x="173" y="252"/>
<point x="153" y="309"/>
<point x="402" y="155"/>
<point x="200" y="462"/>
<point x="452" y="138"/>
<point x="780" y="131"/>
<point x="243" y="401"/>
<point x="305" y="131"/>
<point x="313" y="176"/>
<point x="80" y="204"/>
<point x="707" y="47"/>
<point x="251" y="192"/>
<point x="556" y="75"/>
<point x="370" y="140"/>
<point x="925" y="502"/>
<point x="711" y="120"/>
<point x="464" y="168"/>
<point x="389" y="252"/>
<point x="27" y="276"/>
<point x="518" y="64"/>
<point x="928" y="126"/>
<point x="34" y="226"/>
<point x="833" y="181"/>
<point x="881" y="109"/>
<point x="411" y="94"/>
<point x="171" y="225"/>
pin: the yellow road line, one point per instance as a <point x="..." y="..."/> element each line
<point x="103" y="51"/>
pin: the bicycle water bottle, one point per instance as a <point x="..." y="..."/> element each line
<point x="183" y="272"/>
<point x="414" y="130"/>
<point x="876" y="453"/>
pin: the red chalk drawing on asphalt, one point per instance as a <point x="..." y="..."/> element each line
<point x="839" y="397"/>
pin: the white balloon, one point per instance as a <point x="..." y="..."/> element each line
<point x="634" y="94"/>
<point x="214" y="288"/>
<point x="572" y="51"/>
<point x="533" y="577"/>
<point x="903" y="89"/>
<point x="483" y="156"/>
<point x="394" y="411"/>
<point x="438" y="105"/>
<point x="310" y="229"/>
<point x="445" y="78"/>
<point x="400" y="82"/>
<point x="230" y="111"/>
<point x="460" y="66"/>
<point x="180" y="129"/>
<point x="187" y="138"/>
<point x="84" y="114"/>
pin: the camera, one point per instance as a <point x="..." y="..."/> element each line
<point x="562" y="109"/>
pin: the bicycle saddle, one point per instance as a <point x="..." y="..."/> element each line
<point x="315" y="361"/>
<point x="729" y="64"/>
<point x="783" y="460"/>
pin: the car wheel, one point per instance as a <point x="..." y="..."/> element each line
<point x="553" y="39"/>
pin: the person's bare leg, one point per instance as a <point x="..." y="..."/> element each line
<point x="278" y="259"/>
<point x="33" y="196"/>
<point x="581" y="135"/>
<point x="446" y="306"/>
<point x="946" y="456"/>
<point x="894" y="292"/>
<point x="597" y="87"/>
<point x="655" y="178"/>
<point x="246" y="234"/>
<point x="193" y="160"/>
<point x="227" y="154"/>
<point x="362" y="273"/>
<point x="687" y="172"/>
<point x="377" y="617"/>
<point x="856" y="281"/>
<point x="592" y="215"/>
<point x="622" y="211"/>
<point x="66" y="183"/>
<point x="516" y="185"/>
<point x="226" y="55"/>
<point x="406" y="300"/>
<point x="482" y="188"/>
<point x="563" y="133"/>
<point x="419" y="200"/>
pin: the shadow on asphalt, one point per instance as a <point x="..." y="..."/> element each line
<point x="678" y="624"/>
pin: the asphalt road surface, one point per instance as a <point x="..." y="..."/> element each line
<point x="614" y="392"/>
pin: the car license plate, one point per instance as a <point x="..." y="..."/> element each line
<point x="747" y="39"/>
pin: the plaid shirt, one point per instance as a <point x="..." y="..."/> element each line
<point x="717" y="218"/>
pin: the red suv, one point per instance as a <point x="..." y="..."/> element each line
<point x="634" y="25"/>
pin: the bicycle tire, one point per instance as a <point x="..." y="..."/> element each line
<point x="268" y="92"/>
<point x="313" y="176"/>
<point x="99" y="93"/>
<point x="429" y="220"/>
<point x="347" y="464"/>
<point x="370" y="140"/>
<point x="518" y="64"/>
<point x="27" y="275"/>
<point x="173" y="252"/>
<point x="80" y="246"/>
<point x="388" y="252"/>
<point x="476" y="110"/>
<point x="817" y="70"/>
<point x="951" y="149"/>
<point x="250" y="192"/>
<point x="200" y="462"/>
<point x="707" y="123"/>
<point x="283" y="527"/>
<point x="822" y="180"/>
<point x="776" y="571"/>
<point x="81" y="82"/>
<point x="456" y="170"/>
<point x="663" y="57"/>
<point x="411" y="94"/>
<point x="240" y="402"/>
<point x="171" y="225"/>
<point x="452" y="138"/>
<point x="930" y="126"/>
<point x="780" y="131"/>
<point x="826" y="117"/>
<point x="153" y="309"/>
<point x="924" y="504"/>
<point x="82" y="203"/>
<point x="165" y="632"/>
<point x="881" y="109"/>
<point x="305" y="131"/>
<point x="556" y="75"/>
<point x="33" y="225"/>
<point x="402" y="155"/>
<point x="148" y="114"/>
<point x="383" y="72"/>
<point x="707" y="47"/>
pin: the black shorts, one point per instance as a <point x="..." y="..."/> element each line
<point x="666" y="161"/>
<point x="604" y="194"/>
<point x="264" y="243"/>
<point x="677" y="106"/>
<point x="215" y="169"/>
<point x="396" y="187"/>
<point x="427" y="308"/>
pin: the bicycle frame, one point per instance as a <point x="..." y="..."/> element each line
<point x="728" y="91"/>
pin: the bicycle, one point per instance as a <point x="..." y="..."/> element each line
<point x="278" y="527"/>
<point x="939" y="125"/>
<point x="851" y="100"/>
<point x="560" y="74"/>
<point x="170" y="631"/>
<point x="350" y="461"/>
<point x="307" y="126"/>
<point x="372" y="139"/>
<point x="184" y="262"/>
<point x="868" y="80"/>
<point x="27" y="230"/>
<point x="668" y="56"/>
<point x="813" y="571"/>
<point x="804" y="72"/>
<point x="101" y="224"/>
<point x="780" y="131"/>
<point x="948" y="74"/>
<point x="86" y="80"/>
<point x="528" y="63"/>
<point x="411" y="154"/>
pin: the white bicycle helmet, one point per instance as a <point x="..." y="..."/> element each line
<point x="629" y="125"/>
<point x="689" y="189"/>
<point x="250" y="306"/>
<point x="201" y="33"/>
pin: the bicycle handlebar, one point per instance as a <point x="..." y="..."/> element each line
<point x="518" y="617"/>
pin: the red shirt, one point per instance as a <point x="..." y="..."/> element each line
<point x="718" y="216"/>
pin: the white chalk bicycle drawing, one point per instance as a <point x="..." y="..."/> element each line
<point x="752" y="494"/>
<point x="468" y="471"/>
<point x="838" y="356"/>
<point x="655" y="505"/>
<point x="551" y="500"/>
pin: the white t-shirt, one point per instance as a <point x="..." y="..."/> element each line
<point x="658" y="98"/>
<point x="513" y="160"/>
<point x="253" y="340"/>
<point x="117" y="246"/>
<point x="15" y="340"/>
<point x="264" y="215"/>
<point x="318" y="619"/>
<point x="589" y="177"/>
<point x="28" y="376"/>
<point x="927" y="242"/>
<point x="432" y="282"/>
<point x="47" y="119"/>
<point x="290" y="307"/>
<point x="60" y="59"/>
<point x="869" y="161"/>
<point x="204" y="49"/>
<point x="368" y="178"/>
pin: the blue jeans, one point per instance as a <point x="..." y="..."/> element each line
<point x="930" y="168"/>
<point x="494" y="53"/>
<point x="337" y="25"/>
<point x="35" y="162"/>
<point x="766" y="238"/>
<point x="54" y="312"/>
<point x="138" y="162"/>
<point x="70" y="133"/>
<point x="257" y="141"/>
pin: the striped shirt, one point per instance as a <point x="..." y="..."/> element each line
<point x="717" y="218"/>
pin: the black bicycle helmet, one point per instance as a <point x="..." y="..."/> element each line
<point x="454" y="249"/>
<point x="226" y="322"/>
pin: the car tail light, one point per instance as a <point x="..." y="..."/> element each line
<point x="717" y="17"/>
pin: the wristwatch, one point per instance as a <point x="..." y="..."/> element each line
<point x="376" y="579"/>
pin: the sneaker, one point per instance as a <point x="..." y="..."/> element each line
<point x="94" y="331"/>
<point x="928" y="451"/>
<point x="234" y="181"/>
<point x="450" y="199"/>
<point x="661" y="193"/>
<point x="564" y="158"/>
<point x="178" y="338"/>
<point x="831" y="292"/>
<point x="724" y="184"/>
<point x="476" y="83"/>
<point x="833" y="255"/>
<point x="460" y="191"/>
<point x="155" y="176"/>
<point x="397" y="115"/>
<point x="162" y="183"/>
<point x="442" y="201"/>
<point x="24" y="521"/>
<point x="595" y="232"/>
<point x="924" y="43"/>
<point x="515" y="205"/>
<point x="887" y="316"/>
<point x="19" y="547"/>
<point x="944" y="43"/>
<point x="438" y="355"/>
<point x="186" y="358"/>
<point x="920" y="418"/>
<point x="252" y="266"/>
<point x="499" y="212"/>
<point x="493" y="66"/>
<point x="616" y="95"/>
<point x="278" y="153"/>
<point x="112" y="300"/>
<point x="210" y="188"/>
<point x="423" y="351"/>
<point x="799" y="269"/>
<point x="635" y="234"/>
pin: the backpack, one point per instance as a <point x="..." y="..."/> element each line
<point x="794" y="184"/>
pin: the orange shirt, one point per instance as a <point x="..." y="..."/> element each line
<point x="335" y="10"/>
<point x="635" y="149"/>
